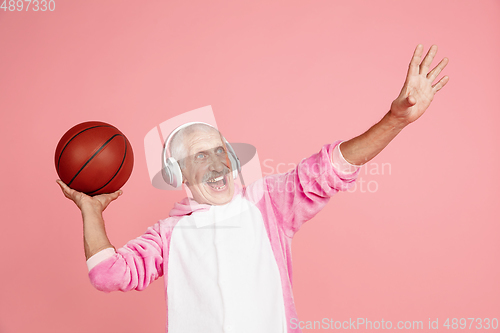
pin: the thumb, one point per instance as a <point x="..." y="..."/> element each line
<point x="410" y="101"/>
<point x="116" y="194"/>
<point x="106" y="199"/>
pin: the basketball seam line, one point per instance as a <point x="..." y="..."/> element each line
<point x="74" y="136"/>
<point x="90" y="159"/>
<point x="123" y="161"/>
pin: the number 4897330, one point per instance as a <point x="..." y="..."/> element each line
<point x="34" y="5"/>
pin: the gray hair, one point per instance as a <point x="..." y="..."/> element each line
<point x="177" y="145"/>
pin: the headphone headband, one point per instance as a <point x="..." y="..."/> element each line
<point x="171" y="135"/>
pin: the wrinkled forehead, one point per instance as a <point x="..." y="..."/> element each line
<point x="198" y="141"/>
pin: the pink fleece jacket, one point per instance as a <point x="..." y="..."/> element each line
<point x="286" y="202"/>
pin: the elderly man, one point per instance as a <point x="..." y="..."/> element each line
<point x="225" y="253"/>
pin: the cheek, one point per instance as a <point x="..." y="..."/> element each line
<point x="200" y="173"/>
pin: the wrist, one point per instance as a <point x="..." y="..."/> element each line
<point x="395" y="122"/>
<point x="91" y="209"/>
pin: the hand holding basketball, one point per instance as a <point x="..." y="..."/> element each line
<point x="84" y="201"/>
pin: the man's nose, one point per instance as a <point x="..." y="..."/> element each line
<point x="217" y="163"/>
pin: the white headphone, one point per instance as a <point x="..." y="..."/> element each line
<point x="171" y="171"/>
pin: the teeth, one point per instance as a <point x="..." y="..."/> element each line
<point x="215" y="179"/>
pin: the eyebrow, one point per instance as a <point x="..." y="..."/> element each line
<point x="205" y="151"/>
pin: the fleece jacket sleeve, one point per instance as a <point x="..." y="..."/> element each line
<point x="133" y="266"/>
<point x="298" y="195"/>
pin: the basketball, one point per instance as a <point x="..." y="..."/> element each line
<point x="94" y="158"/>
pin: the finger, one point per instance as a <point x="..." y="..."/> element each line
<point x="415" y="60"/>
<point x="436" y="70"/>
<point x="68" y="191"/>
<point x="116" y="194"/>
<point x="64" y="187"/>
<point x="108" y="197"/>
<point x="426" y="63"/>
<point x="441" y="83"/>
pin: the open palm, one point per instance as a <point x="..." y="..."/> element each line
<point x="99" y="202"/>
<point x="418" y="91"/>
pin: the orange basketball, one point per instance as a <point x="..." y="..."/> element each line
<point x="94" y="158"/>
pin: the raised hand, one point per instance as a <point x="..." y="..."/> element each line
<point x="82" y="200"/>
<point x="418" y="91"/>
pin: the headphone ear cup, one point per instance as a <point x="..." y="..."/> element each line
<point x="174" y="170"/>
<point x="165" y="171"/>
<point x="167" y="175"/>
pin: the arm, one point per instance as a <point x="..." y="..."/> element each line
<point x="94" y="232"/>
<point x="415" y="97"/>
<point x="363" y="148"/>
<point x="298" y="195"/>
<point x="132" y="267"/>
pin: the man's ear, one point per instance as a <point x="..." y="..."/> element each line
<point x="184" y="179"/>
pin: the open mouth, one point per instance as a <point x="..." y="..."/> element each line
<point x="218" y="184"/>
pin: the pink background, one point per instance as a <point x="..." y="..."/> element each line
<point x="287" y="77"/>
